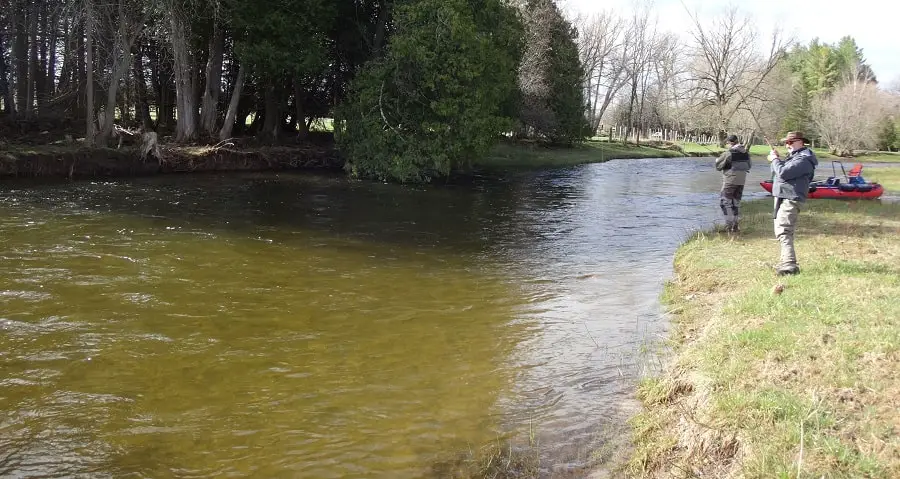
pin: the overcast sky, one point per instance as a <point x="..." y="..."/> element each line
<point x="875" y="24"/>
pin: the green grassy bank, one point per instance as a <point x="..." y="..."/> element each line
<point x="523" y="156"/>
<point x="782" y="377"/>
<point x="821" y="153"/>
<point x="511" y="156"/>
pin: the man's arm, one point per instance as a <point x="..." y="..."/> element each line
<point x="794" y="167"/>
<point x="723" y="162"/>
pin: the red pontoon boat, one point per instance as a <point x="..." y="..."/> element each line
<point x="851" y="186"/>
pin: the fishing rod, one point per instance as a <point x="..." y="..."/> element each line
<point x="756" y="120"/>
<point x="762" y="130"/>
<point x="701" y="145"/>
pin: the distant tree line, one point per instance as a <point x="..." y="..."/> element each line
<point x="415" y="89"/>
<point x="730" y="77"/>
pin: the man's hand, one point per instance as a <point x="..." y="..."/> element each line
<point x="773" y="155"/>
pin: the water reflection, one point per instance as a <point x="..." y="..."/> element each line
<point x="308" y="325"/>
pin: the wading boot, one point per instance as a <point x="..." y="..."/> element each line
<point x="787" y="269"/>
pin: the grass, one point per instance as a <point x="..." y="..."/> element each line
<point x="522" y="156"/>
<point x="782" y="377"/>
<point x="496" y="460"/>
<point x="888" y="177"/>
<point x="507" y="156"/>
<point x="821" y="153"/>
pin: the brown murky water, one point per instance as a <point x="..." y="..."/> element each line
<point x="309" y="326"/>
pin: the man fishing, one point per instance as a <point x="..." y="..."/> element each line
<point x="791" y="178"/>
<point x="734" y="164"/>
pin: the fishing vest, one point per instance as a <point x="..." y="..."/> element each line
<point x="739" y="156"/>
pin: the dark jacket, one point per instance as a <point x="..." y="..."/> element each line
<point x="734" y="164"/>
<point x="793" y="174"/>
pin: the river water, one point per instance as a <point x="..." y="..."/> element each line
<point x="288" y="325"/>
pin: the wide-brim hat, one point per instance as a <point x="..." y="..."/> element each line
<point x="793" y="136"/>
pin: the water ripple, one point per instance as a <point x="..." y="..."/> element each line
<point x="273" y="325"/>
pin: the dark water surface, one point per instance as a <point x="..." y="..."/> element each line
<point x="309" y="326"/>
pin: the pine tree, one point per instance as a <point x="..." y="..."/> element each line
<point x="436" y="99"/>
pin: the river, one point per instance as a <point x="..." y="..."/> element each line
<point x="297" y="325"/>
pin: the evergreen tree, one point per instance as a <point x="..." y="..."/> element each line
<point x="888" y="137"/>
<point x="435" y="100"/>
<point x="551" y="75"/>
<point x="284" y="44"/>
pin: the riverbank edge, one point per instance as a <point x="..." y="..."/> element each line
<point x="513" y="156"/>
<point x="78" y="162"/>
<point x="779" y="377"/>
<point x="762" y="151"/>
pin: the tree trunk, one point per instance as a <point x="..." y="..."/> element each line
<point x="272" y="113"/>
<point x="50" y="87"/>
<point x="32" y="60"/>
<point x="196" y="91"/>
<point x="20" y="54"/>
<point x="121" y="56"/>
<point x="644" y="81"/>
<point x="6" y="95"/>
<point x="161" y="75"/>
<point x="225" y="133"/>
<point x="596" y="114"/>
<point x="123" y="99"/>
<point x="607" y="100"/>
<point x="44" y="80"/>
<point x="109" y="111"/>
<point x="82" y="66"/>
<point x="299" y="100"/>
<point x="630" y="126"/>
<point x="209" y="111"/>
<point x="141" y="105"/>
<point x="720" y="134"/>
<point x="89" y="68"/>
<point x="66" y="72"/>
<point x="186" y="126"/>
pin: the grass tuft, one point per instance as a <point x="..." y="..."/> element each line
<point x="821" y="153"/>
<point x="496" y="460"/>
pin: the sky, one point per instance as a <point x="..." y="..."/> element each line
<point x="872" y="23"/>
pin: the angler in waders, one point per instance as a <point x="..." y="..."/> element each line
<point x="791" y="178"/>
<point x="734" y="164"/>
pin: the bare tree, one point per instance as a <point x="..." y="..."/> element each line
<point x="848" y="118"/>
<point x="663" y="93"/>
<point x="894" y="87"/>
<point x="727" y="67"/>
<point x="602" y="47"/>
<point x="643" y="38"/>
<point x="768" y="108"/>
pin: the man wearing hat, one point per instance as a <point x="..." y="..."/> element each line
<point x="791" y="178"/>
<point x="734" y="164"/>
